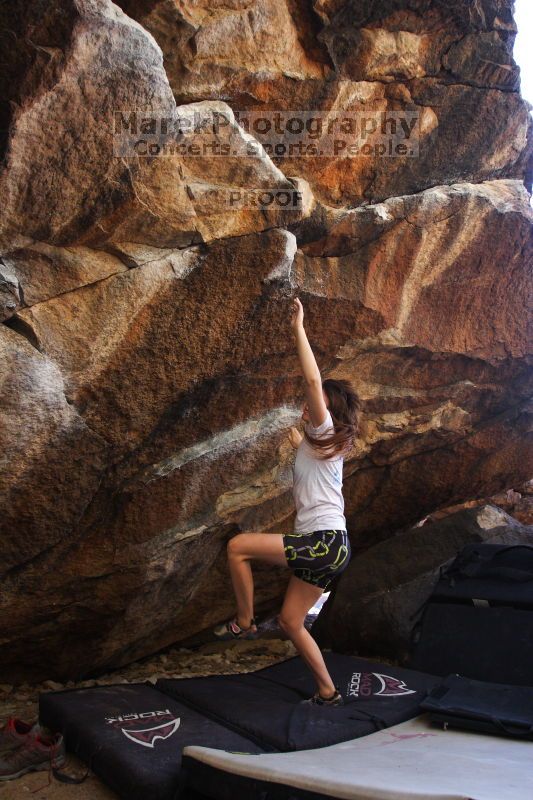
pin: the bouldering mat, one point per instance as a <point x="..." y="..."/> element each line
<point x="413" y="760"/>
<point x="495" y="708"/>
<point x="132" y="736"/>
<point x="488" y="644"/>
<point x="265" y="706"/>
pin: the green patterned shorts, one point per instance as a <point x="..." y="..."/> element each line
<point x="317" y="557"/>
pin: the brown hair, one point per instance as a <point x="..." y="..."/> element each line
<point x="345" y="410"/>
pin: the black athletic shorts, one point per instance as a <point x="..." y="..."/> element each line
<point x="319" y="556"/>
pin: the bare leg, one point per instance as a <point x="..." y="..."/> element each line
<point x="300" y="597"/>
<point x="267" y="547"/>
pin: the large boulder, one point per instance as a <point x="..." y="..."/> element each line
<point x="149" y="373"/>
<point x="72" y="173"/>
<point x="449" y="64"/>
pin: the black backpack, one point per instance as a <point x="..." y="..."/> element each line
<point x="495" y="573"/>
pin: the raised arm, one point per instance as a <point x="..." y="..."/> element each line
<point x="311" y="373"/>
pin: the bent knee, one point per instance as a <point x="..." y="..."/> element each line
<point x="237" y="545"/>
<point x="289" y="624"/>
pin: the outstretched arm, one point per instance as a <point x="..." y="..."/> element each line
<point x="310" y="371"/>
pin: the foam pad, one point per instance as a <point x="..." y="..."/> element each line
<point x="487" y="644"/>
<point x="477" y="705"/>
<point x="265" y="706"/>
<point x="132" y="736"/>
<point x="414" y="759"/>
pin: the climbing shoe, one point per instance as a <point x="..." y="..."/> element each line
<point x="231" y="630"/>
<point x="317" y="700"/>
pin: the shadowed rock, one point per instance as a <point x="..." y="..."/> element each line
<point x="378" y="599"/>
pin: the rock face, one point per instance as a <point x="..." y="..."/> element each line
<point x="149" y="376"/>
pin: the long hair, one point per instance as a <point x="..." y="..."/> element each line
<point x="345" y="410"/>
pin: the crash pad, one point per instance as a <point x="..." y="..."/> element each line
<point x="265" y="706"/>
<point x="132" y="736"/>
<point x="413" y="760"/>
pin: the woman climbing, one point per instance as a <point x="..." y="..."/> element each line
<point x="319" y="548"/>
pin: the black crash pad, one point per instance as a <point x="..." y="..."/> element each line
<point x="481" y="706"/>
<point x="265" y="706"/>
<point x="132" y="736"/>
<point x="486" y="644"/>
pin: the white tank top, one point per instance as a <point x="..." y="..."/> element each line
<point x="317" y="486"/>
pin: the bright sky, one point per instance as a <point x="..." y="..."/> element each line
<point x="523" y="49"/>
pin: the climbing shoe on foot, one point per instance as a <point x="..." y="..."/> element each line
<point x="317" y="700"/>
<point x="231" y="630"/>
<point x="36" y="753"/>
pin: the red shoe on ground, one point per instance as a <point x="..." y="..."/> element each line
<point x="15" y="732"/>
<point x="35" y="753"/>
